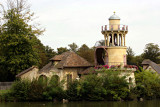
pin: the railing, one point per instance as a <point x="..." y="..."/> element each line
<point x="115" y="27"/>
<point x="5" y="85"/>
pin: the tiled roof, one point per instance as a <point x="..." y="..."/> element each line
<point x="71" y="59"/>
<point x="60" y="57"/>
<point x="66" y="60"/>
<point x="89" y="70"/>
<point x="46" y="68"/>
<point x="155" y="66"/>
<point x="25" y="71"/>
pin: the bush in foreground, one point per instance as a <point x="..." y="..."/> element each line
<point x="148" y="84"/>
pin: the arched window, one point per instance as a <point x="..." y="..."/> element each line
<point x="42" y="78"/>
<point x="55" y="80"/>
<point x="115" y="40"/>
<point x="110" y="39"/>
<point x="120" y="39"/>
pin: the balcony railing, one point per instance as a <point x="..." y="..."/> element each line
<point x="115" y="27"/>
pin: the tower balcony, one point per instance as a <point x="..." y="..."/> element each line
<point x="114" y="27"/>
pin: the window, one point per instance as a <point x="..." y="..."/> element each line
<point x="69" y="79"/>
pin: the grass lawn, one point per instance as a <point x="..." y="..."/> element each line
<point x="3" y="91"/>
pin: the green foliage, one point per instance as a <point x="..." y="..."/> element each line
<point x="37" y="86"/>
<point x="3" y="91"/>
<point x="20" y="90"/>
<point x="73" y="47"/>
<point x="25" y="90"/>
<point x="19" y="46"/>
<point x="62" y="49"/>
<point x="54" y="89"/>
<point x="44" y="52"/>
<point x="87" y="53"/>
<point x="92" y="88"/>
<point x="116" y="86"/>
<point x="4" y="94"/>
<point x="138" y="60"/>
<point x="152" y="52"/>
<point x="49" y="52"/>
<point x="17" y="53"/>
<point x="148" y="84"/>
<point x="100" y="43"/>
<point x="130" y="56"/>
<point x="74" y="91"/>
<point x="108" y="86"/>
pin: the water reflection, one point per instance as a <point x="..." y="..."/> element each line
<point x="153" y="103"/>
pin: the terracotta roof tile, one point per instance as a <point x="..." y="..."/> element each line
<point x="60" y="57"/>
<point x="73" y="60"/>
<point x="66" y="60"/>
<point x="87" y="71"/>
<point x="46" y="68"/>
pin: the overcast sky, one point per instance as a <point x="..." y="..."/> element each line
<point x="80" y="21"/>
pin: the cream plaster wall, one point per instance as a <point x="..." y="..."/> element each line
<point x="115" y="24"/>
<point x="116" y="55"/>
<point x="62" y="74"/>
<point x="150" y="69"/>
<point x="129" y="74"/>
<point x="30" y="75"/>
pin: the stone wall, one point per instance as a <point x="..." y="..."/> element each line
<point x="30" y="75"/>
<point x="5" y="85"/>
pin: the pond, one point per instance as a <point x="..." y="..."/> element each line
<point x="151" y="103"/>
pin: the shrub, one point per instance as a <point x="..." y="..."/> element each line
<point x="148" y="84"/>
<point x="115" y="85"/>
<point x="37" y="86"/>
<point x="20" y="90"/>
<point x="92" y="88"/>
<point x="54" y="90"/>
<point x="108" y="85"/>
<point x="74" y="91"/>
<point x="25" y="90"/>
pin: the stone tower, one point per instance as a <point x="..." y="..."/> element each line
<point x="114" y="51"/>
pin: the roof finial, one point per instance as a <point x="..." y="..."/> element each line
<point x="114" y="12"/>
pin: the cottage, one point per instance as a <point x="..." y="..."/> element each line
<point x="67" y="66"/>
<point x="151" y="66"/>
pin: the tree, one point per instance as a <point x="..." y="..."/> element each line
<point x="39" y="48"/>
<point x="87" y="53"/>
<point x="17" y="42"/>
<point x="130" y="56"/>
<point x="73" y="47"/>
<point x="152" y="52"/>
<point x="148" y="84"/>
<point x="62" y="49"/>
<point x="49" y="52"/>
<point x="100" y="43"/>
<point x="138" y="60"/>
